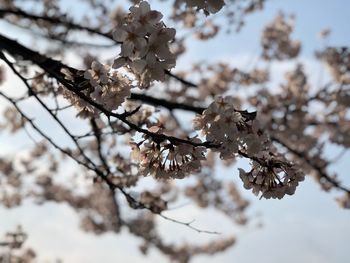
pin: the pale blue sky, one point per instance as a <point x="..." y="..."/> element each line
<point x="306" y="227"/>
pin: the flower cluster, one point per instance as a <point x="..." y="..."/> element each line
<point x="84" y="108"/>
<point x="254" y="77"/>
<point x="12" y="120"/>
<point x="107" y="88"/>
<point x="216" y="84"/>
<point x="230" y="129"/>
<point x="145" y="44"/>
<point x="216" y="79"/>
<point x="338" y="61"/>
<point x="272" y="178"/>
<point x="297" y="83"/>
<point x="344" y="201"/>
<point x="98" y="74"/>
<point x="295" y="89"/>
<point x="276" y="41"/>
<point x="209" y="6"/>
<point x="153" y="202"/>
<point x="14" y="240"/>
<point x="166" y="160"/>
<point x="110" y="89"/>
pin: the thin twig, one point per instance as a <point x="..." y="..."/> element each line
<point x="304" y="157"/>
<point x="189" y="224"/>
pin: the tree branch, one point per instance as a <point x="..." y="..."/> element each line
<point x="304" y="157"/>
<point x="53" y="68"/>
<point x="72" y="25"/>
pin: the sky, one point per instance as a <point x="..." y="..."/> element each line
<point x="306" y="227"/>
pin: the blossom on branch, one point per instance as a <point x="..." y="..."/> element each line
<point x="103" y="86"/>
<point x="338" y="62"/>
<point x="209" y="6"/>
<point x="230" y="129"/>
<point x="276" y="41"/>
<point x="98" y="74"/>
<point x="145" y="43"/>
<point x="272" y="178"/>
<point x="166" y="160"/>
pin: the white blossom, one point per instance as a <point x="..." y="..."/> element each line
<point x="165" y="160"/>
<point x="273" y="179"/>
<point x="98" y="74"/>
<point x="209" y="6"/>
<point x="109" y="89"/>
<point x="225" y="126"/>
<point x="145" y="45"/>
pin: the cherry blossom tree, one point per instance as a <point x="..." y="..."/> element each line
<point x="121" y="120"/>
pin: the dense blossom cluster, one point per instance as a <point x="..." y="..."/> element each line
<point x="224" y="77"/>
<point x="14" y="251"/>
<point x="338" y="61"/>
<point x="110" y="89"/>
<point x="276" y="41"/>
<point x="254" y="77"/>
<point x="216" y="84"/>
<point x="296" y="86"/>
<point x="106" y="88"/>
<point x="145" y="43"/>
<point x="234" y="11"/>
<point x="230" y="129"/>
<point x="272" y="177"/>
<point x="165" y="160"/>
<point x="12" y="120"/>
<point x="209" y="6"/>
<point x="235" y="132"/>
<point x="153" y="202"/>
